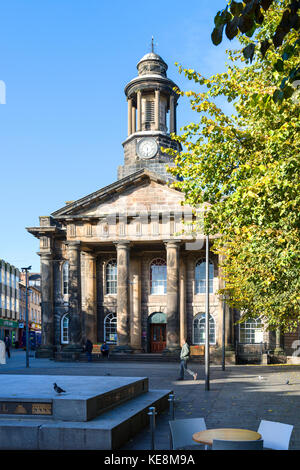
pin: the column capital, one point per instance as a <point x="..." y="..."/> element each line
<point x="122" y="244"/>
<point x="76" y="244"/>
<point x="172" y="243"/>
<point x="45" y="254"/>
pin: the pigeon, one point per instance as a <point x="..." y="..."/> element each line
<point x="58" y="389"/>
<point x="287" y="382"/>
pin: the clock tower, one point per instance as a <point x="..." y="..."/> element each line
<point x="152" y="105"/>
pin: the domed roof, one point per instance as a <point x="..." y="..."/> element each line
<point x="152" y="56"/>
<point x="152" y="63"/>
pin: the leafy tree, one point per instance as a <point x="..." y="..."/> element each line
<point x="249" y="15"/>
<point x="244" y="168"/>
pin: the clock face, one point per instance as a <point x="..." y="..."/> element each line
<point x="147" y="148"/>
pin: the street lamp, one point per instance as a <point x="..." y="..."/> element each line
<point x="207" y="313"/>
<point x="223" y="332"/>
<point x="25" y="270"/>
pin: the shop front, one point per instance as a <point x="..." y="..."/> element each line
<point x="35" y="331"/>
<point x="9" y="328"/>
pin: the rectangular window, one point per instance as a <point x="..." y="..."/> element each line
<point x="150" y="106"/>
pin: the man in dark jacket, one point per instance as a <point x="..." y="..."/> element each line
<point x="184" y="356"/>
<point x="89" y="349"/>
<point x="7" y="342"/>
<point x="105" y="350"/>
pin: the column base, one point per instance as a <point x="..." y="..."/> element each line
<point x="229" y="347"/>
<point x="71" y="352"/>
<point x="137" y="351"/>
<point x="173" y="352"/>
<point x="45" y="352"/>
<point x="122" y="349"/>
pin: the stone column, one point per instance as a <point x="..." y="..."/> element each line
<point x="133" y="119"/>
<point x="135" y="314"/>
<point x="129" y="116"/>
<point x="123" y="307"/>
<point x="173" y="306"/>
<point x="224" y="311"/>
<point x="278" y="347"/>
<point x="46" y="349"/>
<point x="183" y="326"/>
<point x="157" y="95"/>
<point x="172" y="114"/>
<point x="75" y="323"/>
<point x="139" y="110"/>
<point x="89" y="299"/>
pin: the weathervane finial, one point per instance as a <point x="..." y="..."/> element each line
<point x="152" y="44"/>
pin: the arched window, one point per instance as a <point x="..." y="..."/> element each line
<point x="200" y="283"/>
<point x="111" y="277"/>
<point x="65" y="329"/>
<point x="110" y="328"/>
<point x="65" y="278"/>
<point x="199" y="329"/>
<point x="158" y="277"/>
<point x="251" y="331"/>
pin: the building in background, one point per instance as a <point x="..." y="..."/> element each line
<point x="34" y="310"/>
<point x="120" y="265"/>
<point x="9" y="301"/>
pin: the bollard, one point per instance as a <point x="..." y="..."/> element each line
<point x="171" y="406"/>
<point x="152" y="414"/>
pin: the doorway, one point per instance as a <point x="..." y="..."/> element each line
<point x="157" y="332"/>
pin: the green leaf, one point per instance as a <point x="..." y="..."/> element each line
<point x="264" y="46"/>
<point x="288" y="91"/>
<point x="236" y="8"/>
<point x="278" y="95"/>
<point x="231" y="29"/>
<point x="266" y="4"/>
<point x="249" y="51"/>
<point x="217" y="34"/>
<point x="279" y="65"/>
<point x="246" y="23"/>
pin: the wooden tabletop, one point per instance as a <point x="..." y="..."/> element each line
<point x="226" y="434"/>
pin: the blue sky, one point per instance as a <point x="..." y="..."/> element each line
<point x="65" y="64"/>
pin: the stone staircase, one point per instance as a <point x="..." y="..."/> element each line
<point x="145" y="357"/>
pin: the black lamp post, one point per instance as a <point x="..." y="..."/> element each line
<point x="207" y="313"/>
<point x="25" y="270"/>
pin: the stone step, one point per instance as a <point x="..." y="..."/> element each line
<point x="120" y="357"/>
<point x="85" y="398"/>
<point x="108" y="431"/>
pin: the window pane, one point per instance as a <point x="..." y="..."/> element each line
<point x="110" y="328"/>
<point x="66" y="278"/>
<point x="251" y="332"/>
<point x="158" y="277"/>
<point x="111" y="277"/>
<point x="199" y="330"/>
<point x="200" y="276"/>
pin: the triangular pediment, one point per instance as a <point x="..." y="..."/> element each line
<point x="141" y="191"/>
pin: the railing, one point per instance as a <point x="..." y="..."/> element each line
<point x="250" y="352"/>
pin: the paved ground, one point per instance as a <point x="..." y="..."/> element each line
<point x="239" y="397"/>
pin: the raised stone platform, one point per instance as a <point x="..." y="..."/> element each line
<point x="94" y="413"/>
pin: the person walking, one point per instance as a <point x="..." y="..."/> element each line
<point x="104" y="350"/>
<point x="7" y="342"/>
<point x="89" y="349"/>
<point x="2" y="352"/>
<point x="184" y="356"/>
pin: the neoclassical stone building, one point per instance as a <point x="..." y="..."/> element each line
<point x="115" y="264"/>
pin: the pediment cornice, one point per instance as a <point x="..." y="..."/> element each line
<point x="75" y="208"/>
